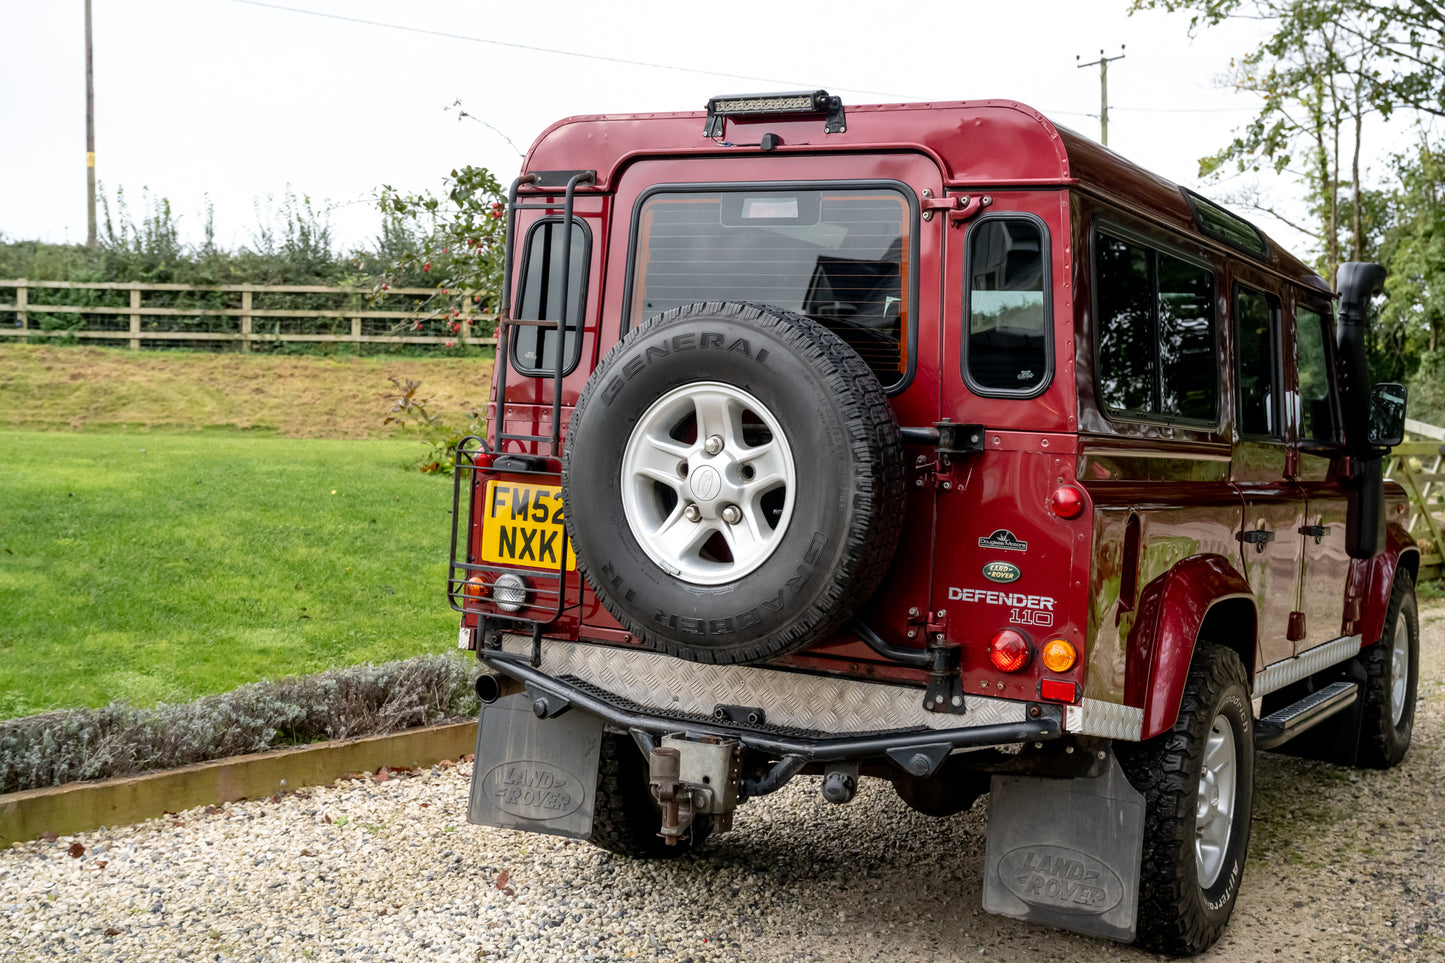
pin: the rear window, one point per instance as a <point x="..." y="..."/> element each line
<point x="539" y="296"/>
<point x="840" y="256"/>
<point x="1007" y="351"/>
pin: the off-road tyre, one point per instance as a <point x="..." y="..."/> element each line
<point x="842" y="455"/>
<point x="1178" y="914"/>
<point x="625" y="817"/>
<point x="1388" y="719"/>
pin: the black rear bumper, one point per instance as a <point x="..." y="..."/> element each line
<point x="551" y="696"/>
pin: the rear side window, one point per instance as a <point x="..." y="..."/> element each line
<point x="534" y="349"/>
<point x="1007" y="350"/>
<point x="840" y="256"/>
<point x="1156" y="347"/>
<point x="1256" y="360"/>
<point x="1318" y="422"/>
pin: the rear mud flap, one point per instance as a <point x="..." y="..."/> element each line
<point x="1065" y="852"/>
<point x="537" y="775"/>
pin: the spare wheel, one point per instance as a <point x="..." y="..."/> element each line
<point x="733" y="482"/>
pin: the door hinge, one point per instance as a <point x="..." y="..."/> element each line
<point x="960" y="207"/>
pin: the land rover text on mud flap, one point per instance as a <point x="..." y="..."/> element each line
<point x="931" y="443"/>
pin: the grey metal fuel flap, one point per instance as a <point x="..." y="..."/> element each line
<point x="690" y="778"/>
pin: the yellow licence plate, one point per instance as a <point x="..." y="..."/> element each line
<point x="522" y="525"/>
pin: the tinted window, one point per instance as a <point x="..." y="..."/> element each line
<point x="1156" y="344"/>
<point x="1007" y="346"/>
<point x="1188" y="365"/>
<point x="534" y="349"/>
<point x="1226" y="226"/>
<point x="838" y="256"/>
<point x="1317" y="404"/>
<point x="1257" y="370"/>
<point x="1127" y="359"/>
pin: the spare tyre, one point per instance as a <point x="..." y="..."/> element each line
<point x="733" y="482"/>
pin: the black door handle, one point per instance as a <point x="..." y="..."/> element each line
<point x="1257" y="537"/>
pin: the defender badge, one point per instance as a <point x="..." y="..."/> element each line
<point x="1001" y="572"/>
<point x="1003" y="539"/>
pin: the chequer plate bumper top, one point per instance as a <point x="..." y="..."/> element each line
<point x="793" y="699"/>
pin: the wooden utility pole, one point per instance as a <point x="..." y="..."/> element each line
<point x="1103" y="65"/>
<point x="89" y="133"/>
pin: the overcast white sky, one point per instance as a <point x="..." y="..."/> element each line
<point x="237" y="100"/>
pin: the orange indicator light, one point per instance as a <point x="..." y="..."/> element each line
<point x="1059" y="655"/>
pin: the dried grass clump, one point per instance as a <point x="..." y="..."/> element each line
<point x="120" y="740"/>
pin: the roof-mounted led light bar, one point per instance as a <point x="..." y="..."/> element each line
<point x="799" y="102"/>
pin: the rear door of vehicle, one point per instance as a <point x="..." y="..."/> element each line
<point x="841" y="238"/>
<point x="1326" y="563"/>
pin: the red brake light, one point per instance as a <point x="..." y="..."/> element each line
<point x="1067" y="502"/>
<point x="1009" y="651"/>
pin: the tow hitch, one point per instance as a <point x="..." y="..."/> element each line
<point x="693" y="778"/>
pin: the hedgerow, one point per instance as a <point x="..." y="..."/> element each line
<point x="70" y="745"/>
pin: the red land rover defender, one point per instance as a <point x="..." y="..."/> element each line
<point x="931" y="443"/>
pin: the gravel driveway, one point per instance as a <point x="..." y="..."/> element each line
<point x="1344" y="865"/>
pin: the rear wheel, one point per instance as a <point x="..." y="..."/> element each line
<point x="626" y="818"/>
<point x="1198" y="786"/>
<point x="1392" y="672"/>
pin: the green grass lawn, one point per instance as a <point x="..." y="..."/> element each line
<point x="158" y="568"/>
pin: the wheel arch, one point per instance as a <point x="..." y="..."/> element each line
<point x="1203" y="597"/>
<point x="1400" y="554"/>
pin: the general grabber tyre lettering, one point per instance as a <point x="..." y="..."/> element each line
<point x="1198" y="785"/>
<point x="1392" y="675"/>
<point x="733" y="481"/>
<point x="625" y="819"/>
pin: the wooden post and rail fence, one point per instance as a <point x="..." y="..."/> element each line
<point x="229" y="314"/>
<point x="1419" y="465"/>
<point x="221" y="315"/>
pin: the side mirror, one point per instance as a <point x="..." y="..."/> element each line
<point x="1387" y="414"/>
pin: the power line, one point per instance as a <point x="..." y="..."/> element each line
<point x="548" y="50"/>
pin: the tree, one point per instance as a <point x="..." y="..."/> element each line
<point x="1409" y="338"/>
<point x="454" y="244"/>
<point x="1319" y="78"/>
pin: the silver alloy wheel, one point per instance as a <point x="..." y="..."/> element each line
<point x="1214" y="808"/>
<point x="1399" y="670"/>
<point x="708" y="483"/>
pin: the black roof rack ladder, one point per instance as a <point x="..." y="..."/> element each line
<point x="506" y="321"/>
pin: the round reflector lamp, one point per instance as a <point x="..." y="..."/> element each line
<point x="509" y="592"/>
<point x="1059" y="655"/>
<point x="1009" y="651"/>
<point x="1067" y="502"/>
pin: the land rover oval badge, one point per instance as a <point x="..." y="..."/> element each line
<point x="1001" y="572"/>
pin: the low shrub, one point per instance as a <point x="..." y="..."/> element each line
<point x="121" y="740"/>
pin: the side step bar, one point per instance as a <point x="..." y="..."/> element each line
<point x="1284" y="724"/>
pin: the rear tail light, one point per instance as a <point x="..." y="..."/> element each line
<point x="1067" y="502"/>
<point x="1009" y="650"/>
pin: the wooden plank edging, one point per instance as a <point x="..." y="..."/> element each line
<point x="80" y="807"/>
